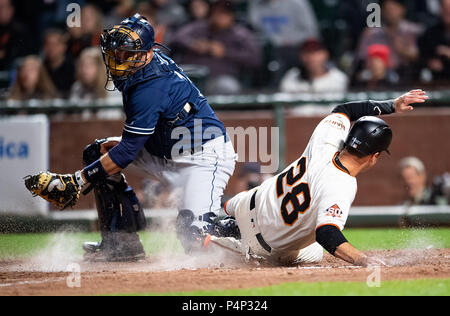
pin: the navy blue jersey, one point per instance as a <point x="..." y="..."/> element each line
<point x="154" y="99"/>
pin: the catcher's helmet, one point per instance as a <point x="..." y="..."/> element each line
<point x="369" y="135"/>
<point x="124" y="46"/>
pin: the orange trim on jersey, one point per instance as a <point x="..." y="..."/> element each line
<point x="337" y="166"/>
<point x="225" y="207"/>
<point x="328" y="225"/>
<point x="345" y="116"/>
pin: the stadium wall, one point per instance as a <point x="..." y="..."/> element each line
<point x="424" y="134"/>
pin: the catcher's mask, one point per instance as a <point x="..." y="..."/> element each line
<point x="125" y="46"/>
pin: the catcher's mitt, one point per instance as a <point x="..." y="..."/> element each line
<point x="59" y="189"/>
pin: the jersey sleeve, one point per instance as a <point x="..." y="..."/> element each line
<point x="143" y="110"/>
<point x="330" y="134"/>
<point x="333" y="209"/>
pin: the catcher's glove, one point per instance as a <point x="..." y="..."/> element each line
<point x="59" y="189"/>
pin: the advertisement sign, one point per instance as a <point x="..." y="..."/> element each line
<point x="24" y="150"/>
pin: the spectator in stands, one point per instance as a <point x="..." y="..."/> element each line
<point x="116" y="14"/>
<point x="377" y="73"/>
<point x="315" y="72"/>
<point x="162" y="32"/>
<point x="222" y="45"/>
<point x="88" y="35"/>
<point x="90" y="75"/>
<point x="14" y="37"/>
<point x="32" y="81"/>
<point x="414" y="177"/>
<point x="58" y="64"/>
<point x="354" y="14"/>
<point x="398" y="34"/>
<point x="441" y="188"/>
<point x="285" y="24"/>
<point x="249" y="176"/>
<point x="435" y="46"/>
<point x="168" y="13"/>
<point x="198" y="9"/>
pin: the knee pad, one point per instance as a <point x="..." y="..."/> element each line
<point x="118" y="207"/>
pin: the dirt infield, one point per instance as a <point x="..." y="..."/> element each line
<point x="161" y="275"/>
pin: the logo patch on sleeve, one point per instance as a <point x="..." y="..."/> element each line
<point x="334" y="211"/>
<point x="335" y="123"/>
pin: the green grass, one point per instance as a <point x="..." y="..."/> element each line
<point x="394" y="238"/>
<point x="421" y="287"/>
<point x="17" y="246"/>
<point x="22" y="245"/>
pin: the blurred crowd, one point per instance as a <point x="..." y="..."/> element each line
<point x="419" y="190"/>
<point x="231" y="47"/>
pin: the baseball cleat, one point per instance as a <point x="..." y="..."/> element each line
<point x="105" y="256"/>
<point x="92" y="247"/>
<point x="108" y="251"/>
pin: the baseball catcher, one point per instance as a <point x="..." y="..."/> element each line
<point x="170" y="132"/>
<point x="292" y="217"/>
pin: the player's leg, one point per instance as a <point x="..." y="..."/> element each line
<point x="308" y="255"/>
<point x="311" y="254"/>
<point x="120" y="216"/>
<point x="252" y="244"/>
<point x="235" y="208"/>
<point x="204" y="176"/>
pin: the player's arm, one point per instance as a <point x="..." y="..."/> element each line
<point x="358" y="109"/>
<point x="143" y="109"/>
<point x="332" y="240"/>
<point x="113" y="161"/>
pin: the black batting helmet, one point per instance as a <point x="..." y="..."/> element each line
<point x="369" y="135"/>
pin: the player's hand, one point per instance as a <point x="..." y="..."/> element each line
<point x="217" y="50"/>
<point x="367" y="261"/>
<point x="403" y="104"/>
<point x="110" y="143"/>
<point x="375" y="262"/>
<point x="200" y="47"/>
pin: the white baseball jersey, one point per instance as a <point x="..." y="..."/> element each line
<point x="313" y="191"/>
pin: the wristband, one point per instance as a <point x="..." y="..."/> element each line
<point x="330" y="237"/>
<point x="79" y="178"/>
<point x="95" y="173"/>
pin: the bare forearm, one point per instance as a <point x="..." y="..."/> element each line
<point x="350" y="254"/>
<point x="109" y="165"/>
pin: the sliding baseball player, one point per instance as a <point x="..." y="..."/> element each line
<point x="291" y="217"/>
